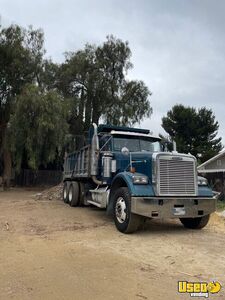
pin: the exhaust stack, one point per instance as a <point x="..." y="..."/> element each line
<point x="95" y="155"/>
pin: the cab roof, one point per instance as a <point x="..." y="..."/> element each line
<point x="109" y="128"/>
<point x="134" y="134"/>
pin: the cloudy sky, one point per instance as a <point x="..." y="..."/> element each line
<point x="178" y="46"/>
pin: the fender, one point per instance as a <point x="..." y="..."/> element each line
<point x="136" y="190"/>
<point x="124" y="179"/>
<point x="205" y="191"/>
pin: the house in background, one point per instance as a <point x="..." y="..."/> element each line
<point x="214" y="170"/>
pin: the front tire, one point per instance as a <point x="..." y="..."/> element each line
<point x="195" y="223"/>
<point x="125" y="220"/>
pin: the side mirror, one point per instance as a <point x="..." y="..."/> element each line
<point x="167" y="146"/>
<point x="125" y="151"/>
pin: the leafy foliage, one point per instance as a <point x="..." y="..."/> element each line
<point x="38" y="127"/>
<point x="193" y="130"/>
<point x="21" y="54"/>
<point x="44" y="104"/>
<point x="95" y="79"/>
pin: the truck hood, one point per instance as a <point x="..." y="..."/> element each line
<point x="141" y="161"/>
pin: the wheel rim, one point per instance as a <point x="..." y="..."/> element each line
<point x="64" y="194"/>
<point x="121" y="210"/>
<point x="70" y="196"/>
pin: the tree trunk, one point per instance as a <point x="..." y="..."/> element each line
<point x="81" y="111"/>
<point x="7" y="159"/>
<point x="95" y="117"/>
<point x="88" y="108"/>
<point x="95" y="112"/>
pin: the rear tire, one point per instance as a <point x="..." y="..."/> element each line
<point x="81" y="194"/>
<point x="65" y="192"/>
<point x="125" y="220"/>
<point x="195" y="223"/>
<point x="73" y="194"/>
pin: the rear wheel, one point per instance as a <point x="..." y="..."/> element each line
<point x="65" y="192"/>
<point x="81" y="194"/>
<point x="73" y="194"/>
<point x="195" y="223"/>
<point x="124" y="219"/>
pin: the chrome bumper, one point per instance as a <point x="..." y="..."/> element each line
<point x="158" y="207"/>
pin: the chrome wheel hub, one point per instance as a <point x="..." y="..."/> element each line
<point x="121" y="210"/>
<point x="70" y="196"/>
<point x="64" y="194"/>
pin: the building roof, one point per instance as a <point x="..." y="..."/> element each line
<point x="202" y="166"/>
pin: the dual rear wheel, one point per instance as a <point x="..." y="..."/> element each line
<point x="71" y="193"/>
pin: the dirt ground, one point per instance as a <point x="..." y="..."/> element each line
<point x="49" y="250"/>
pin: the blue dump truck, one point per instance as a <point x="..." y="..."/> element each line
<point x="127" y="172"/>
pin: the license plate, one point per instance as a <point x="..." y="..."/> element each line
<point x="179" y="211"/>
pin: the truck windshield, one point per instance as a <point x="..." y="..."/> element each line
<point x="136" y="144"/>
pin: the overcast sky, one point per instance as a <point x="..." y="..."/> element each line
<point x="178" y="46"/>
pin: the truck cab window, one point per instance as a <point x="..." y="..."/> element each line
<point x="105" y="143"/>
<point x="150" y="146"/>
<point x="131" y="144"/>
<point x="136" y="144"/>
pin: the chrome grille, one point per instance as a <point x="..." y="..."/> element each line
<point x="177" y="176"/>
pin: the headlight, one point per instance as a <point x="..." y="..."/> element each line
<point x="202" y="181"/>
<point x="140" y="179"/>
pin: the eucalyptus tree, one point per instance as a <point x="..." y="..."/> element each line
<point x="38" y="127"/>
<point x="96" y="79"/>
<point x="21" y="52"/>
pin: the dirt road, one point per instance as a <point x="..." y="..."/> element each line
<point x="51" y="251"/>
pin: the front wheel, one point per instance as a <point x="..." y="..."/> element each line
<point x="195" y="223"/>
<point x="124" y="219"/>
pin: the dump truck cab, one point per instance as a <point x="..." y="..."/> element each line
<point x="126" y="171"/>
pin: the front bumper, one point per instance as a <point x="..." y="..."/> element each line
<point x="170" y="207"/>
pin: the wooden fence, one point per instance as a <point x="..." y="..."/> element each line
<point x="38" y="178"/>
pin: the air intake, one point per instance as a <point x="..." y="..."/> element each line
<point x="177" y="176"/>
